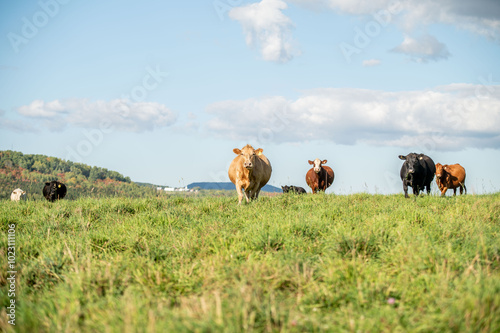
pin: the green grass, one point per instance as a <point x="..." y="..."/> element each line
<point x="313" y="263"/>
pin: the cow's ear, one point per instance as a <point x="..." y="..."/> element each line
<point x="237" y="151"/>
<point x="401" y="157"/>
<point x="324" y="161"/>
<point x="47" y="183"/>
<point x="310" y="162"/>
<point x="259" y="151"/>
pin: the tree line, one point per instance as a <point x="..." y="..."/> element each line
<point x="53" y="166"/>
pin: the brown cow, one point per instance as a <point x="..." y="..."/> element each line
<point x="450" y="176"/>
<point x="250" y="170"/>
<point x="319" y="177"/>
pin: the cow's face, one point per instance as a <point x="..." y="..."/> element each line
<point x="439" y="170"/>
<point x="317" y="164"/>
<point x="285" y="188"/>
<point x="52" y="188"/>
<point x="412" y="163"/>
<point x="249" y="155"/>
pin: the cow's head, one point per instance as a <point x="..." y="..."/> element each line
<point x="52" y="188"/>
<point x="18" y="191"/>
<point x="439" y="170"/>
<point x="317" y="164"/>
<point x="412" y="163"/>
<point x="285" y="188"/>
<point x="249" y="155"/>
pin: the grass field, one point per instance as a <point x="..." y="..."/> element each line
<point x="312" y="263"/>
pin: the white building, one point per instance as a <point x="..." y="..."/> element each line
<point x="174" y="189"/>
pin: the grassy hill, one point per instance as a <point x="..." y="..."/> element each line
<point x="30" y="172"/>
<point x="311" y="263"/>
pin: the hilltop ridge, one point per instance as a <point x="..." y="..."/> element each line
<point x="31" y="171"/>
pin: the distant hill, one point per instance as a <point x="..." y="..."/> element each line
<point x="227" y="186"/>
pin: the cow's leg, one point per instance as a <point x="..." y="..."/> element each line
<point x="455" y="192"/>
<point x="443" y="191"/>
<point x="248" y="194"/>
<point x="405" y="189"/>
<point x="416" y="190"/>
<point x="240" y="193"/>
<point x="428" y="188"/>
<point x="253" y="192"/>
<point x="465" y="188"/>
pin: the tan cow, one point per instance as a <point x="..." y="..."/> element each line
<point x="450" y="176"/>
<point x="18" y="194"/>
<point x="250" y="170"/>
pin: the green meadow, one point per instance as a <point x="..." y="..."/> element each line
<point x="312" y="263"/>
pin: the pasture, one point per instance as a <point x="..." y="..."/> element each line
<point x="289" y="263"/>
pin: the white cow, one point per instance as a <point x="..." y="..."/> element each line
<point x="18" y="194"/>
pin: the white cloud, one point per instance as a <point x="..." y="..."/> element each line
<point x="371" y="62"/>
<point x="479" y="16"/>
<point x="353" y="7"/>
<point x="122" y="114"/>
<point x="446" y="118"/>
<point x="267" y="28"/>
<point x="39" y="108"/>
<point x="425" y="48"/>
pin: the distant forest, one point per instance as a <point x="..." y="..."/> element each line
<point x="30" y="172"/>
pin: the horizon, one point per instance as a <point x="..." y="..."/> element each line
<point x="162" y="92"/>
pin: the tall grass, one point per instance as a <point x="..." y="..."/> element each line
<point x="363" y="263"/>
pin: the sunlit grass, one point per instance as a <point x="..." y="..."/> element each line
<point x="369" y="263"/>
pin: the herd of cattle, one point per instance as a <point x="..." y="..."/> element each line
<point x="251" y="170"/>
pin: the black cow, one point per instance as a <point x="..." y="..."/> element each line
<point x="418" y="172"/>
<point x="293" y="189"/>
<point x="54" y="191"/>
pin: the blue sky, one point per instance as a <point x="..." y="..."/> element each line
<point x="162" y="91"/>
